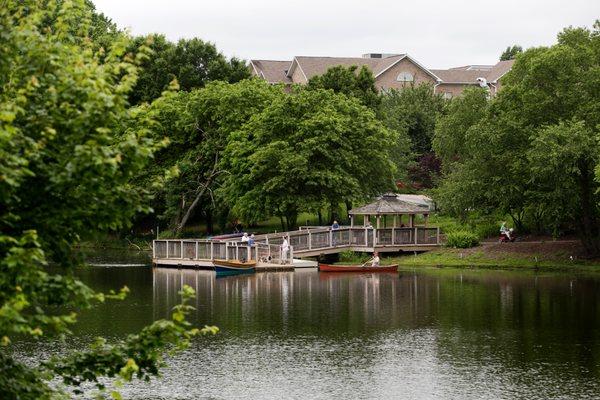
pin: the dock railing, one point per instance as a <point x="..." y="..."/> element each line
<point x="309" y="240"/>
<point x="210" y="250"/>
<point x="267" y="248"/>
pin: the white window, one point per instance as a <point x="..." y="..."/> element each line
<point x="447" y="95"/>
<point x="405" y="77"/>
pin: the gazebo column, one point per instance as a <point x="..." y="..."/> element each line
<point x="425" y="218"/>
<point x="378" y="221"/>
<point x="395" y="219"/>
<point x="351" y="221"/>
<point x="411" y="221"/>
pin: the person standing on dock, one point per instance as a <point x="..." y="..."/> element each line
<point x="334" y="227"/>
<point x="285" y="248"/>
<point x="245" y="237"/>
<point x="251" y="240"/>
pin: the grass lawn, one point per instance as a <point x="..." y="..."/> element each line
<point x="548" y="255"/>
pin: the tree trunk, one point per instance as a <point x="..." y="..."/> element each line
<point x="348" y="208"/>
<point x="209" y="222"/>
<point x="282" y="223"/>
<point x="291" y="216"/>
<point x="190" y="210"/>
<point x="320" y="214"/>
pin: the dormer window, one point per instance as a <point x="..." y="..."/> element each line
<point x="405" y="77"/>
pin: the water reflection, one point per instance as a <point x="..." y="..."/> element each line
<point x="418" y="335"/>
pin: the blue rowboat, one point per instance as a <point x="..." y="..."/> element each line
<point x="226" y="267"/>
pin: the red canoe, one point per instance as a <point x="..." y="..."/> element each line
<point x="357" y="268"/>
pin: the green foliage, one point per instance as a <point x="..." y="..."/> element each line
<point x="452" y="128"/>
<point x="532" y="151"/>
<point x="305" y="149"/>
<point x="462" y="239"/>
<point x="198" y="125"/>
<point x="69" y="147"/>
<point x="487" y="229"/>
<point x="413" y="111"/>
<point x="511" y="52"/>
<point x="360" y="85"/>
<point x="191" y="62"/>
<point x="353" y="257"/>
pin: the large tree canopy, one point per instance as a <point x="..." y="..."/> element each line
<point x="412" y="112"/>
<point x="68" y="151"/>
<point x="308" y="148"/>
<point x="192" y="62"/>
<point x="350" y="81"/>
<point x="511" y="52"/>
<point x="534" y="152"/>
<point x="197" y="125"/>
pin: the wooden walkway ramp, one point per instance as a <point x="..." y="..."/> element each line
<point x="305" y="242"/>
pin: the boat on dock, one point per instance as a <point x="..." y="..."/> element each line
<point x="357" y="268"/>
<point x="234" y="267"/>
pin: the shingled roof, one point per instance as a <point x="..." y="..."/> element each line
<point x="272" y="71"/>
<point x="468" y="74"/>
<point x="390" y="203"/>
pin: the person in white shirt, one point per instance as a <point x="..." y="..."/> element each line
<point x="375" y="260"/>
<point x="245" y="237"/>
<point x="285" y="247"/>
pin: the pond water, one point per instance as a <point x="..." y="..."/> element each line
<point x="443" y="334"/>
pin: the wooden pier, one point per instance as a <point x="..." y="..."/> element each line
<point x="305" y="242"/>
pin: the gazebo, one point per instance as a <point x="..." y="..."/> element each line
<point x="395" y="206"/>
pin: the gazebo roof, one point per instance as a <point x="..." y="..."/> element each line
<point x="390" y="203"/>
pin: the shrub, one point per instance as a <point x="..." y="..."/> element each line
<point x="488" y="229"/>
<point x="350" y="256"/>
<point x="462" y="239"/>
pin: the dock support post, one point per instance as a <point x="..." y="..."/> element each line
<point x="309" y="240"/>
<point x="394" y="232"/>
<point x="154" y="249"/>
<point x="416" y="236"/>
<point x="437" y="239"/>
<point x="181" y="249"/>
<point x="167" y="249"/>
<point x="196" y="251"/>
<point x="366" y="237"/>
<point x="330" y="237"/>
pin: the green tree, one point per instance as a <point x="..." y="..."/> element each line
<point x="308" y="148"/>
<point x="198" y="125"/>
<point x="192" y="62"/>
<point x="350" y="81"/>
<point x="68" y="150"/>
<point x="452" y="127"/>
<point x="511" y="53"/>
<point x="533" y="152"/>
<point x="412" y="113"/>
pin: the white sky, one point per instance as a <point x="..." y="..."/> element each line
<point x="438" y="33"/>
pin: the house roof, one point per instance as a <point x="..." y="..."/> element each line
<point x="500" y="70"/>
<point x="281" y="71"/>
<point x="470" y="73"/>
<point x="391" y="203"/>
<point x="272" y="71"/>
<point x="459" y="75"/>
<point x="313" y="66"/>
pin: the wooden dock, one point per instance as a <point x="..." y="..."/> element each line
<point x="305" y="242"/>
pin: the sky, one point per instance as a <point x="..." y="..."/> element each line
<point x="437" y="33"/>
